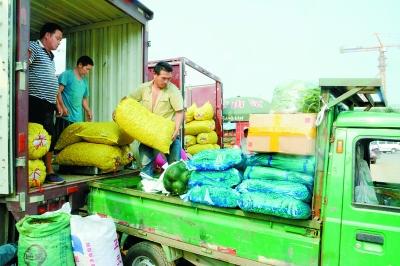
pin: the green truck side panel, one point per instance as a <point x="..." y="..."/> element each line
<point x="368" y="120"/>
<point x="238" y="235"/>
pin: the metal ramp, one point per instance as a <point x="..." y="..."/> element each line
<point x="363" y="92"/>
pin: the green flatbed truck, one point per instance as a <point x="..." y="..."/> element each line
<point x="346" y="228"/>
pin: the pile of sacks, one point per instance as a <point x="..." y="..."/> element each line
<point x="38" y="145"/>
<point x="200" y="129"/>
<point x="101" y="144"/>
<point x="214" y="177"/>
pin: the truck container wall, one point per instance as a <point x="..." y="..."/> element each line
<point x="113" y="33"/>
<point x="116" y="49"/>
<point x="196" y="94"/>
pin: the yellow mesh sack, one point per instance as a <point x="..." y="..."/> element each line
<point x="201" y="147"/>
<point x="190" y="140"/>
<point x="68" y="136"/>
<point x="38" y="141"/>
<point x="207" y="138"/>
<point x="189" y="115"/>
<point x="148" y="128"/>
<point x="105" y="133"/>
<point x="197" y="127"/>
<point x="36" y="173"/>
<point x="126" y="155"/>
<point x="105" y="157"/>
<point x="205" y="112"/>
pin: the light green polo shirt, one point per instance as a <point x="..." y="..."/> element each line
<point x="169" y="101"/>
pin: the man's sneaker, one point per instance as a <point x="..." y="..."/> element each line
<point x="54" y="179"/>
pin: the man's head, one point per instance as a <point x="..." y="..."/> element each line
<point x="84" y="65"/>
<point x="51" y="35"/>
<point x="162" y="74"/>
<point x="245" y="132"/>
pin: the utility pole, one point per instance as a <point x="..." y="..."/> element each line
<point x="381" y="48"/>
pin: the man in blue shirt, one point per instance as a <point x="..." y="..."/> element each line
<point x="72" y="97"/>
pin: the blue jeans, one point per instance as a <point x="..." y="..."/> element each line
<point x="148" y="154"/>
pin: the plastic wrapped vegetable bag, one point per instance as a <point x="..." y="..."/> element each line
<point x="37" y="173"/>
<point x="274" y="204"/>
<point x="190" y="140"/>
<point x="194" y="149"/>
<point x="104" y="133"/>
<point x="45" y="240"/>
<point x="38" y="141"/>
<point x="215" y="160"/>
<point x="148" y="128"/>
<point x="297" y="163"/>
<point x="189" y="114"/>
<point x="207" y="138"/>
<point x="269" y="173"/>
<point x="197" y="127"/>
<point x="284" y="188"/>
<point x="214" y="196"/>
<point x="176" y="177"/>
<point x="227" y="178"/>
<point x="105" y="157"/>
<point x="68" y="136"/>
<point x="204" y="112"/>
<point x="295" y="97"/>
<point x="126" y="155"/>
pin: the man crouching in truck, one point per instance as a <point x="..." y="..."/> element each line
<point x="160" y="96"/>
<point x="43" y="87"/>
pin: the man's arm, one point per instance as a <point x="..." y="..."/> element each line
<point x="86" y="107"/>
<point x="61" y="109"/>
<point x="178" y="123"/>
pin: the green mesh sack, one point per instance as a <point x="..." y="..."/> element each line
<point x="269" y="173"/>
<point x="274" y="204"/>
<point x="227" y="178"/>
<point x="284" y="188"/>
<point x="297" y="163"/>
<point x="215" y="160"/>
<point x="214" y="196"/>
<point x="45" y="240"/>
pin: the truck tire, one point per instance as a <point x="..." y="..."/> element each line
<point x="394" y="150"/>
<point x="146" y="254"/>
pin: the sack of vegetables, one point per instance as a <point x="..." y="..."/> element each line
<point x="176" y="177"/>
<point x="295" y="97"/>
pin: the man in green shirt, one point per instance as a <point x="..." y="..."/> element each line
<point x="163" y="98"/>
<point x="72" y="97"/>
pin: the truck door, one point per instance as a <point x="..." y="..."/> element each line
<point x="370" y="231"/>
<point x="6" y="95"/>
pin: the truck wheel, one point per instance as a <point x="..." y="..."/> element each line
<point x="394" y="150"/>
<point x="146" y="254"/>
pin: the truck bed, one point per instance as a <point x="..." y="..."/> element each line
<point x="229" y="234"/>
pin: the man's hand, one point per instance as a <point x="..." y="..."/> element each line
<point x="175" y="134"/>
<point x="89" y="115"/>
<point x="59" y="110"/>
<point x="113" y="115"/>
<point x="65" y="111"/>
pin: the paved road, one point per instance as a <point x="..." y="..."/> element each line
<point x="387" y="168"/>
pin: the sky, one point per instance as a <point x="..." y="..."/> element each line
<point x="256" y="45"/>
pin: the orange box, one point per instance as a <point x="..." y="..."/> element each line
<point x="283" y="133"/>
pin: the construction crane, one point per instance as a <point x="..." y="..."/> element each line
<point x="382" y="58"/>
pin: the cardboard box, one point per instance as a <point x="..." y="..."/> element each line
<point x="283" y="133"/>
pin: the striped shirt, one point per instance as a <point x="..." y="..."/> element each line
<point x="43" y="82"/>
